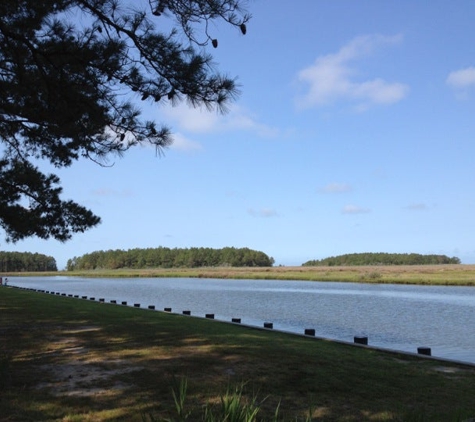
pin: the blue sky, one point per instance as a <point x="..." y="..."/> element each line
<point x="354" y="132"/>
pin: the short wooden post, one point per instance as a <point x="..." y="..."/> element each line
<point x="309" y="332"/>
<point x="361" y="340"/>
<point x="186" y="312"/>
<point x="236" y="320"/>
<point x="209" y="316"/>
<point x="124" y="303"/>
<point x="151" y="307"/>
<point x="167" y="309"/>
<point x="424" y="351"/>
<point x="268" y="325"/>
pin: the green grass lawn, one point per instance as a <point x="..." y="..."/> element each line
<point x="66" y="359"/>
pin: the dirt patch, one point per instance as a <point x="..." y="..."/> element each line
<point x="77" y="372"/>
<point x="448" y="369"/>
<point x="84" y="379"/>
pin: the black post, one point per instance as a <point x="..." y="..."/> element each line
<point x="361" y="340"/>
<point x="424" y="351"/>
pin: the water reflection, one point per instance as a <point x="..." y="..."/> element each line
<point x="401" y="317"/>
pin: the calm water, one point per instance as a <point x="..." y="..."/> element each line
<point x="392" y="316"/>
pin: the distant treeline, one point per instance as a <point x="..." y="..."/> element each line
<point x="383" y="259"/>
<point x="26" y="261"/>
<point x="170" y="258"/>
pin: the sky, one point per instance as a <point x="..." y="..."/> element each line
<point x="354" y="132"/>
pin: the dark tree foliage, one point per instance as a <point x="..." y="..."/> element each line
<point x="383" y="259"/>
<point x="70" y="71"/>
<point x="170" y="258"/>
<point x="26" y="261"/>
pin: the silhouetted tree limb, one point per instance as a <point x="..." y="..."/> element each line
<point x="68" y="69"/>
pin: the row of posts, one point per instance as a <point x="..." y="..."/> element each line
<point x="361" y="340"/>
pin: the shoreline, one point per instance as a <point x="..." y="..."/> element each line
<point x="310" y="336"/>
<point x="83" y="360"/>
<point x="443" y="275"/>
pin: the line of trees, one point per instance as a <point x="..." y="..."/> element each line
<point x="383" y="259"/>
<point x="163" y="257"/>
<point x="26" y="261"/>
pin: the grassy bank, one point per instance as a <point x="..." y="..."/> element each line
<point x="66" y="359"/>
<point x="463" y="275"/>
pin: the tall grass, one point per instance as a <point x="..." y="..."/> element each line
<point x="463" y="275"/>
<point x="232" y="407"/>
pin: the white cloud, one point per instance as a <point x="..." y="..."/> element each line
<point x="191" y="119"/>
<point x="336" y="188"/>
<point x="461" y="81"/>
<point x="462" y="78"/>
<point x="264" y="212"/>
<point x="354" y="209"/>
<point x="198" y="120"/>
<point x="331" y="78"/>
<point x="241" y="119"/>
<point x="182" y="143"/>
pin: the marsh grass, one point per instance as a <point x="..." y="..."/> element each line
<point x="80" y="360"/>
<point x="463" y="275"/>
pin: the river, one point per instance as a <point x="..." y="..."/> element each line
<point x="400" y="317"/>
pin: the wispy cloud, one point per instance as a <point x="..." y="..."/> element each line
<point x="195" y="120"/>
<point x="336" y="188"/>
<point x="462" y="78"/>
<point x="332" y="78"/>
<point x="263" y="212"/>
<point x="182" y="143"/>
<point x="198" y="120"/>
<point x="354" y="209"/>
<point x="461" y="81"/>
